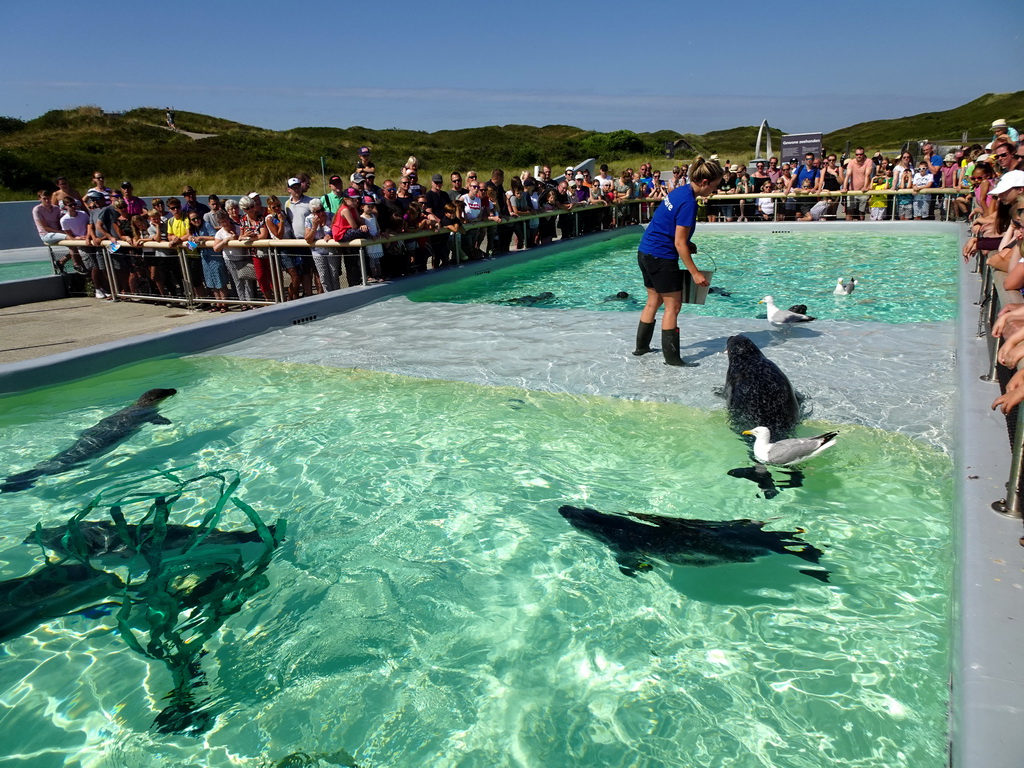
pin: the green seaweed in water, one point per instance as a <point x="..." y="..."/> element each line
<point x="185" y="593"/>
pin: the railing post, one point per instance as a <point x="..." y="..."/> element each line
<point x="1010" y="506"/>
<point x="276" y="279"/>
<point x="53" y="262"/>
<point x="362" y="265"/>
<point x="111" y="275"/>
<point x="986" y="278"/>
<point x="186" y="279"/>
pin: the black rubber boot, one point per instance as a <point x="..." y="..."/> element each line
<point x="670" y="348"/>
<point x="644" y="334"/>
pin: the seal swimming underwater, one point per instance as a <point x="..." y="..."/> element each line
<point x="50" y="592"/>
<point x="635" y="537"/>
<point x="96" y="439"/>
<point x="101" y="539"/>
<point x="757" y="392"/>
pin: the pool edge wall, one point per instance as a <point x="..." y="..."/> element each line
<point x="987" y="605"/>
<point x="988" y="617"/>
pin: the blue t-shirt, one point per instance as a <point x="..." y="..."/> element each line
<point x="678" y="210"/>
<point x="936" y="160"/>
<point x="805" y="173"/>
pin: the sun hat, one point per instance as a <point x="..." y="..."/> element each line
<point x="1000" y="123"/>
<point x="1009" y="180"/>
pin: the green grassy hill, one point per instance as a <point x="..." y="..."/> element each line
<point x="136" y="145"/>
<point x="974" y="117"/>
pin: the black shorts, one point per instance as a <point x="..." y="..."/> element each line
<point x="660" y="275"/>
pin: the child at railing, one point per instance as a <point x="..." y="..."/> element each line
<point x="374" y="252"/>
<point x="922" y="180"/>
<point x="878" y="203"/>
<point x="766" y="205"/>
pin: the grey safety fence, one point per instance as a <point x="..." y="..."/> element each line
<point x="181" y="270"/>
<point x="787" y="206"/>
<point x="122" y="261"/>
<point x="994" y="297"/>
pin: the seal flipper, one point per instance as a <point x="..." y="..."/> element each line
<point x="161" y="420"/>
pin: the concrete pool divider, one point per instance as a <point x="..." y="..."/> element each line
<point x="30" y="290"/>
<point x="88" y="361"/>
<point x="987" y="675"/>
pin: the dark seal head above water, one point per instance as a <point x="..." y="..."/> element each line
<point x="97" y="439"/>
<point x="757" y="392"/>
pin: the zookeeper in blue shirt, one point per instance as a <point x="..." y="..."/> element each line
<point x="667" y="239"/>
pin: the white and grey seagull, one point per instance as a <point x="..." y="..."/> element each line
<point x="778" y="316"/>
<point x="844" y="289"/>
<point x="787" y="452"/>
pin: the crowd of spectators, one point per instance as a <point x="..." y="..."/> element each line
<point x="355" y="207"/>
<point x="995" y="209"/>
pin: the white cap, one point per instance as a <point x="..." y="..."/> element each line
<point x="293" y="182"/>
<point x="1009" y="180"/>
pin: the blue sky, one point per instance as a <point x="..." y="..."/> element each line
<point x="683" y="66"/>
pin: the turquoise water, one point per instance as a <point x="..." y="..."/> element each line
<point x="20" y="270"/>
<point x="433" y="608"/>
<point x="901" y="279"/>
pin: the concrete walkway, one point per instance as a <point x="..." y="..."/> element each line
<point x="44" y="328"/>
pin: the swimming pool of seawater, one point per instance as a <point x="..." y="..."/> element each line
<point x="901" y="278"/>
<point x="433" y="608"/>
<point x="22" y="270"/>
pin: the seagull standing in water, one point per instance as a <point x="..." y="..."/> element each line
<point x="844" y="289"/>
<point x="778" y="316"/>
<point x="788" y="452"/>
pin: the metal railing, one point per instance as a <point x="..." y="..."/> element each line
<point x="576" y="220"/>
<point x="993" y="298"/>
<point x="808" y="198"/>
